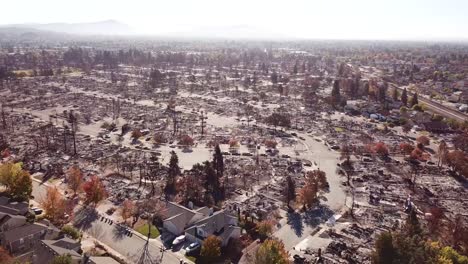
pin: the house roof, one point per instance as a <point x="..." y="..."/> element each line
<point x="6" y="217"/>
<point x="23" y="231"/>
<point x="8" y="210"/>
<point x="217" y="224"/>
<point x="181" y="216"/>
<point x="204" y="210"/>
<point x="65" y="242"/>
<point x="227" y="232"/>
<point x="175" y="209"/>
<point x="4" y="200"/>
<point x="62" y="246"/>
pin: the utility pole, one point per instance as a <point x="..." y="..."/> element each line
<point x="174" y="121"/>
<point x="4" y="117"/>
<point x="202" y="119"/>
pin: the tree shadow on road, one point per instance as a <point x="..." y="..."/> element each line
<point x="295" y="221"/>
<point x="119" y="232"/>
<point x="317" y="215"/>
<point x="85" y="216"/>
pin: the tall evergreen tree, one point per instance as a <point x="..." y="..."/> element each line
<point x="218" y="164"/>
<point x="212" y="183"/>
<point x="404" y="97"/>
<point x="384" y="252"/>
<point x="274" y="77"/>
<point x="173" y="171"/>
<point x="174" y="168"/>
<point x="335" y="93"/>
<point x="290" y="189"/>
<point x="414" y="100"/>
<point x="381" y="93"/>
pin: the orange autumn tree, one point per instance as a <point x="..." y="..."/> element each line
<point x="55" y="206"/>
<point x="271" y="251"/>
<point x="423" y="140"/>
<point x="265" y="229"/>
<point x="128" y="209"/>
<point x="5" y="257"/>
<point x="211" y="249"/>
<point x="315" y="184"/>
<point x="186" y="141"/>
<point x="381" y="149"/>
<point x="406" y="148"/>
<point x="94" y="191"/>
<point x="75" y="179"/>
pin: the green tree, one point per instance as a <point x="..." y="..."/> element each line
<point x="71" y="231"/>
<point x="335" y="93"/>
<point x="290" y="189"/>
<point x="172" y="173"/>
<point x="404" y="97"/>
<point x="218" y="161"/>
<point x="17" y="181"/>
<point x="414" y="100"/>
<point x="218" y="166"/>
<point x="451" y="256"/>
<point x="384" y="252"/>
<point x="62" y="259"/>
<point x="212" y="184"/>
<point x="274" y="77"/>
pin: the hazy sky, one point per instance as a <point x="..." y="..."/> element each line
<point x="343" y="19"/>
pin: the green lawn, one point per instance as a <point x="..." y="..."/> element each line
<point x="192" y="258"/>
<point x="144" y="230"/>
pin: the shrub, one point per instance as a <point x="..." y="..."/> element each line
<point x="71" y="231"/>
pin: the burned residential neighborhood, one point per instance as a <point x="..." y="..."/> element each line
<point x="119" y="148"/>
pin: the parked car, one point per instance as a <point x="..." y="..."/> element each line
<point x="178" y="240"/>
<point x="37" y="211"/>
<point x="192" y="248"/>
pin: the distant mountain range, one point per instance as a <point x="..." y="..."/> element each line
<point x="107" y="27"/>
<point x="113" y="27"/>
<point x="230" y="32"/>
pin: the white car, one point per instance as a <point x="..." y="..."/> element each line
<point x="178" y="240"/>
<point x="192" y="247"/>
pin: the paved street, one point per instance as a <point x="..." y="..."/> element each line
<point x="38" y="191"/>
<point x="130" y="247"/>
<point x="296" y="228"/>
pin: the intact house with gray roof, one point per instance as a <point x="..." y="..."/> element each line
<point x="198" y="224"/>
<point x="21" y="238"/>
<point x="46" y="250"/>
